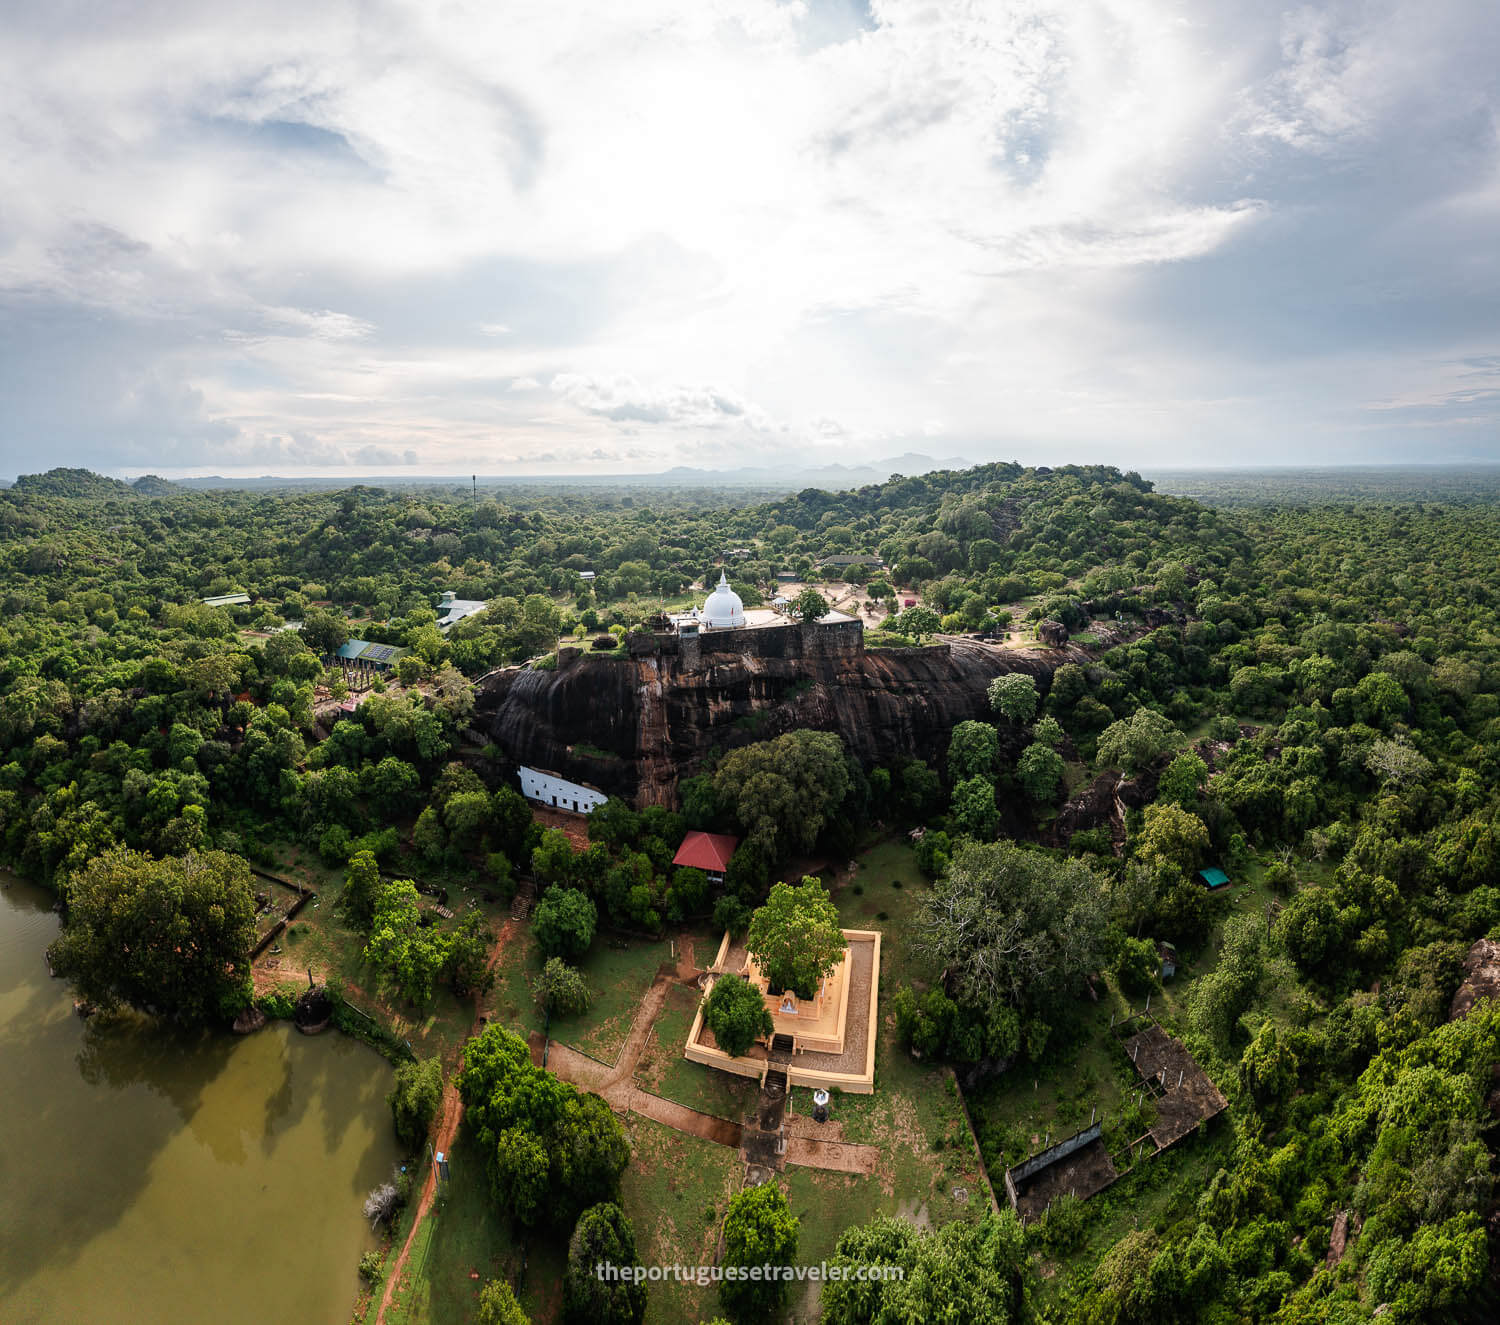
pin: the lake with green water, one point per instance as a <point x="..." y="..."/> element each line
<point x="148" y="1175"/>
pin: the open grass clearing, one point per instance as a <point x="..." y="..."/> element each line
<point x="618" y="971"/>
<point x="676" y="1192"/>
<point x="885" y="894"/>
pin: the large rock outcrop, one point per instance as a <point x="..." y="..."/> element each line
<point x="633" y="726"/>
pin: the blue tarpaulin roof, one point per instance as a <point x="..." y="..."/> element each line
<point x="1214" y="878"/>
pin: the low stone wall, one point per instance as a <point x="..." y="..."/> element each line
<point x="836" y="639"/>
<point x="799" y="1070"/>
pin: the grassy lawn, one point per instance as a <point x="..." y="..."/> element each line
<point x="618" y="971"/>
<point x="915" y="1118"/>
<point x="1156" y="1195"/>
<point x="676" y="1191"/>
<point x="663" y="1070"/>
<point x="914" y="1114"/>
<point x="884" y="894"/>
<point x="1086" y="1070"/>
<point x="465" y="1236"/>
<point x="319" y="938"/>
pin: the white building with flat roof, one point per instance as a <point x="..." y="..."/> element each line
<point x="548" y="789"/>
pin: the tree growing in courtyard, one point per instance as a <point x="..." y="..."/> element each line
<point x="796" y="937"/>
<point x="736" y="1013"/>
<point x="809" y="605"/>
<point x="915" y="622"/>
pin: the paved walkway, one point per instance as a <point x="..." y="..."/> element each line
<point x="617" y="1085"/>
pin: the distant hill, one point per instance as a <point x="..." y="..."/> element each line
<point x="85" y="483"/>
<point x="152" y="485"/>
<point x="73" y="483"/>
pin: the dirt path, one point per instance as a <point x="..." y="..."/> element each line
<point x="837" y="1156"/>
<point x="640" y="1030"/>
<point x="617" y="1085"/>
<point x="452" y="1115"/>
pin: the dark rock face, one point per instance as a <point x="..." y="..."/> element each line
<point x="634" y="726"/>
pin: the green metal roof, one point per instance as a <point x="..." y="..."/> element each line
<point x="364" y="651"/>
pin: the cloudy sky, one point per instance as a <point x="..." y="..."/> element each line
<point x="620" y="235"/>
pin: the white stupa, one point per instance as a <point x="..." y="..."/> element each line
<point x="723" y="610"/>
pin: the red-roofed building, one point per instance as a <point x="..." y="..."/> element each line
<point x="709" y="852"/>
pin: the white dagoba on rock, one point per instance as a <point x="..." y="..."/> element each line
<point x="723" y="610"/>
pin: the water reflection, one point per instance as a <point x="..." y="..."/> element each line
<point x="156" y="1174"/>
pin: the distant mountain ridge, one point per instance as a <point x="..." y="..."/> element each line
<point x="86" y="484"/>
<point x="777" y="477"/>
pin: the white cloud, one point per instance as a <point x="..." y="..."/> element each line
<point x="1084" y="223"/>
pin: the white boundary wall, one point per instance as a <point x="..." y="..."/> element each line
<point x="549" y="789"/>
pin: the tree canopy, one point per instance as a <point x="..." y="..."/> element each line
<point x="736" y="1013"/>
<point x="1013" y="926"/>
<point x="168" y="936"/>
<point x="550" y="1150"/>
<point x="796" y="937"/>
<point x="783" y="792"/>
<point x="759" y="1229"/>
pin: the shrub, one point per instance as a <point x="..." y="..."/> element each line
<point x="414" y="1100"/>
<point x="732" y="914"/>
<point x="561" y="990"/>
<point x="759" y="1229"/>
<point x="1137" y="966"/>
<point x="498" y="1305"/>
<point x="564" y="922"/>
<point x="603" y="1234"/>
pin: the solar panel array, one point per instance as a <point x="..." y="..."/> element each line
<point x="378" y="652"/>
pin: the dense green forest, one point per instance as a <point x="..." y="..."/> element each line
<point x="1309" y="694"/>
